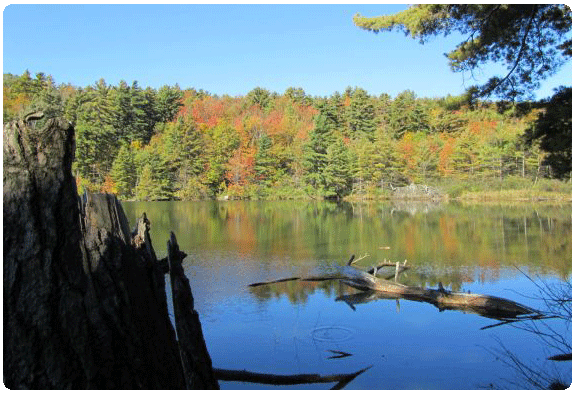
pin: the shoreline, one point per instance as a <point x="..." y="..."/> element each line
<point x="484" y="197"/>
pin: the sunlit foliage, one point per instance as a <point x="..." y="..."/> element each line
<point x="175" y="143"/>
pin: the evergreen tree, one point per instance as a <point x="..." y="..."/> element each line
<point x="134" y="109"/>
<point x="124" y="172"/>
<point x="531" y="40"/>
<point x="406" y="114"/>
<point x="266" y="167"/>
<point x="363" y="164"/>
<point x="154" y="181"/>
<point x="146" y="187"/>
<point x="183" y="150"/>
<point x="25" y="84"/>
<point x="337" y="175"/>
<point x="332" y="110"/>
<point x="143" y="116"/>
<point x="168" y="103"/>
<point x="360" y="116"/>
<point x="315" y="152"/>
<point x="46" y="98"/>
<point x="221" y="142"/>
<point x="387" y="166"/>
<point x="96" y="138"/>
<point x="192" y="150"/>
<point x="120" y="96"/>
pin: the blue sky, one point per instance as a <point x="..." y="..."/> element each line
<point x="231" y="49"/>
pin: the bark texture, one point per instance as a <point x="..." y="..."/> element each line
<point x="196" y="361"/>
<point x="84" y="298"/>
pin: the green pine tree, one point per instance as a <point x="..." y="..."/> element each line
<point x="337" y="175"/>
<point x="154" y="181"/>
<point x="124" y="172"/>
<point x="146" y="187"/>
<point x="135" y="116"/>
<point x="315" y="152"/>
<point x="96" y="138"/>
<point x="266" y="166"/>
<point x="406" y="114"/>
<point x="360" y="116"/>
<point x="168" y="103"/>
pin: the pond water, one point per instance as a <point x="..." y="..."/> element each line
<point x="301" y="327"/>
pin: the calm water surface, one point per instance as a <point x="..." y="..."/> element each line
<point x="293" y="327"/>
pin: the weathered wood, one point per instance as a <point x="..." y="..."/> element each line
<point x="128" y="291"/>
<point x="84" y="300"/>
<point x="275" y="379"/>
<point x="378" y="288"/>
<point x="482" y="304"/>
<point x="44" y="282"/>
<point x="196" y="361"/>
<point x="399" y="267"/>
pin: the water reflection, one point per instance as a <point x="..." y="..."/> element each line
<point x="464" y="243"/>
<point x="412" y="346"/>
<point x="454" y="243"/>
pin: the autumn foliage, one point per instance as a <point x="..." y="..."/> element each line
<point x="175" y="143"/>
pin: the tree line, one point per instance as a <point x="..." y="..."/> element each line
<point x="173" y="143"/>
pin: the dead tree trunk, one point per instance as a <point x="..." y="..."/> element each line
<point x="196" y="361"/>
<point x="84" y="300"/>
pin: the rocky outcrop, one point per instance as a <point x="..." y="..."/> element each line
<point x="417" y="192"/>
<point x="84" y="298"/>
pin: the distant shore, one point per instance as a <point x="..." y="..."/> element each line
<point x="507" y="190"/>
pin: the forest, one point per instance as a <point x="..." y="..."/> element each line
<point x="188" y="144"/>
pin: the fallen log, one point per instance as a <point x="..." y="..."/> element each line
<point x="275" y="379"/>
<point x="378" y="288"/>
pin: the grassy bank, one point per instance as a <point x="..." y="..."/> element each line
<point x="510" y="189"/>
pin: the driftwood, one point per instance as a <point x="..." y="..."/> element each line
<point x="274" y="379"/>
<point x="374" y="288"/>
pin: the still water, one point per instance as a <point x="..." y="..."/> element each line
<point x="306" y="328"/>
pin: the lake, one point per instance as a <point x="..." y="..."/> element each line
<point x="295" y="327"/>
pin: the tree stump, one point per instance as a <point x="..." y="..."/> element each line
<point x="84" y="299"/>
<point x="196" y="361"/>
